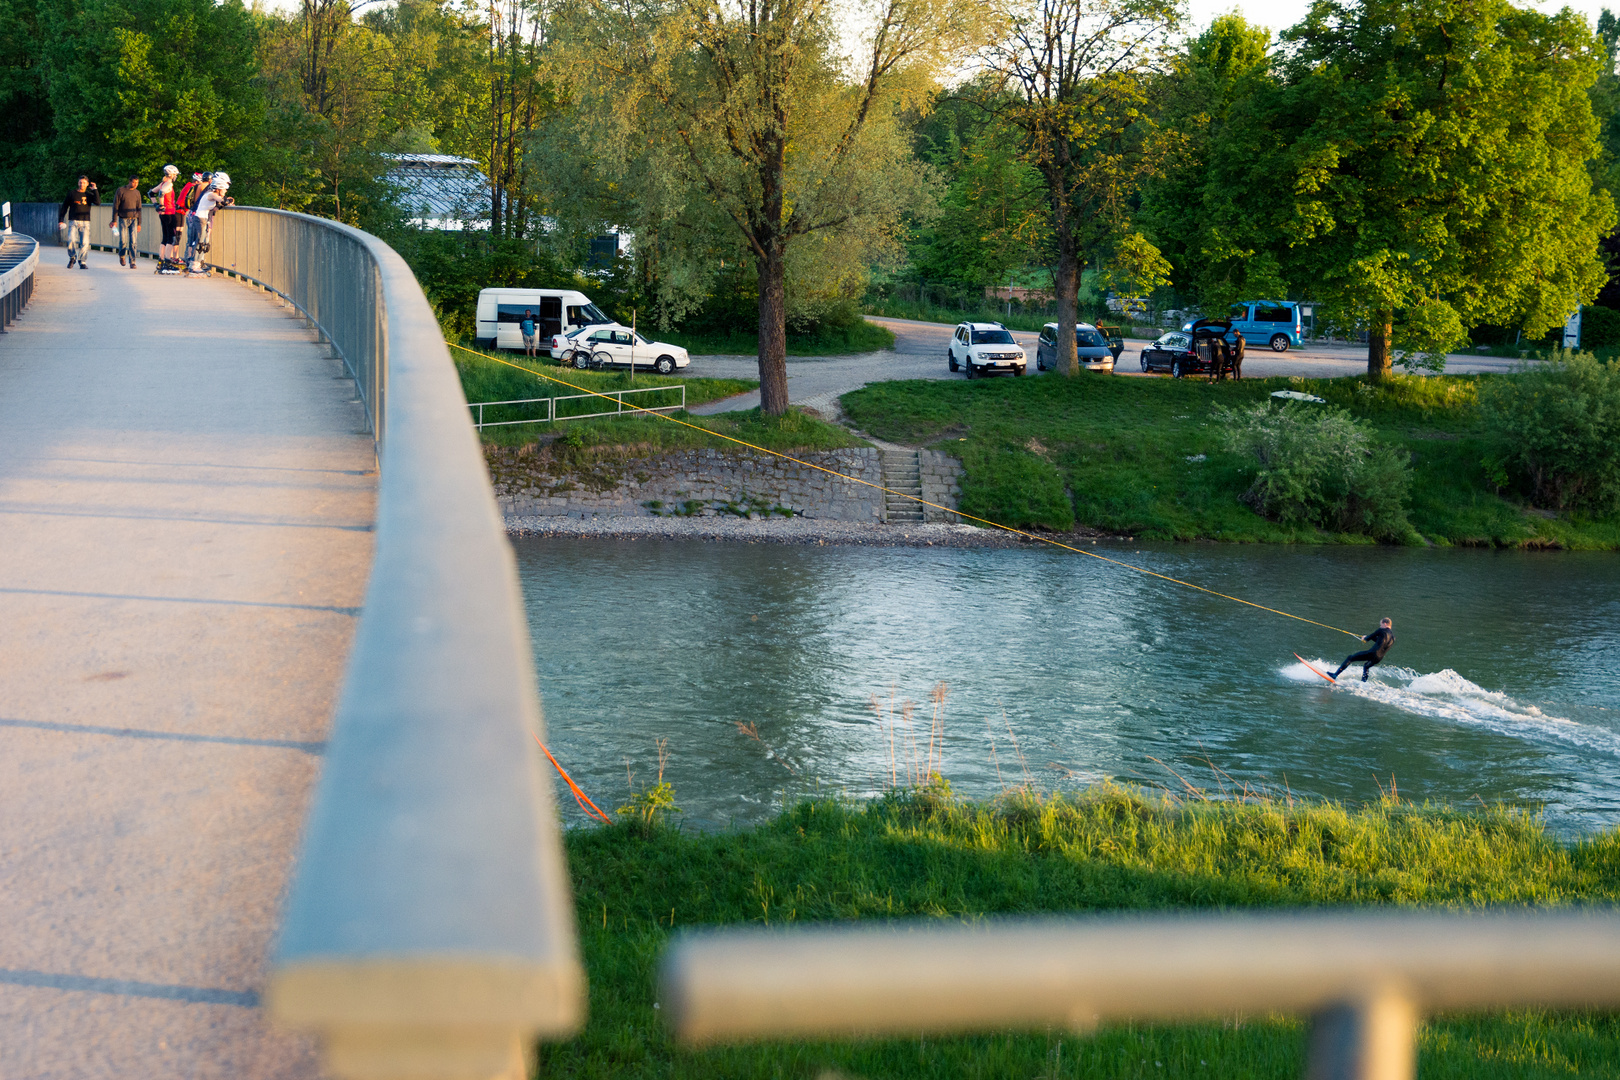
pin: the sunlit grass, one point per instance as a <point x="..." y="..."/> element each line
<point x="924" y="854"/>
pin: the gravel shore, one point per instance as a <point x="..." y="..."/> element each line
<point x="778" y="531"/>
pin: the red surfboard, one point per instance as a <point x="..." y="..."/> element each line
<point x="1308" y="664"/>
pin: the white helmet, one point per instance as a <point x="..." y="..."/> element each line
<point x="170" y="170"/>
<point x="221" y="180"/>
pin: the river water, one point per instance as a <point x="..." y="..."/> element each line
<point x="774" y="671"/>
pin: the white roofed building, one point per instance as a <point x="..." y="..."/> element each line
<point x="440" y="191"/>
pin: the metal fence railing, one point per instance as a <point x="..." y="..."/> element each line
<point x="1364" y="978"/>
<point x="19" y="258"/>
<point x="550" y="404"/>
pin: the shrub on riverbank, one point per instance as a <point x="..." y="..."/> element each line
<point x="1318" y="466"/>
<point x="1142" y="457"/>
<point x="923" y="855"/>
<point x="1555" y="429"/>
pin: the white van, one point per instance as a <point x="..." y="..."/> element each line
<point x="555" y="311"/>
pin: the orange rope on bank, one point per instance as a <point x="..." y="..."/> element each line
<point x="580" y="797"/>
<point x="913" y="498"/>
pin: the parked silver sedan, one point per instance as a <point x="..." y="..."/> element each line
<point x="1090" y="346"/>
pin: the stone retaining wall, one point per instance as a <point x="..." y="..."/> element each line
<point x="941" y="483"/>
<point x="532" y="481"/>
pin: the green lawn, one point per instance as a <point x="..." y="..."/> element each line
<point x="1112" y="453"/>
<point x="926" y="855"/>
<point x="595" y="444"/>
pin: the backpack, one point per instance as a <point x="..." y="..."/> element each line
<point x="190" y="196"/>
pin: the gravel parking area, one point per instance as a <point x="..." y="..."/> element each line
<point x="919" y="353"/>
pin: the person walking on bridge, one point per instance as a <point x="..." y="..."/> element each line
<point x="75" y="214"/>
<point x="167" y="200"/>
<point x="127" y="219"/>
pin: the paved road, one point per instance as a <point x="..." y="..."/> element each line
<point x="186" y="497"/>
<point x="919" y="353"/>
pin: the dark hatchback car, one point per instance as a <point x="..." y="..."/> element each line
<point x="1204" y="348"/>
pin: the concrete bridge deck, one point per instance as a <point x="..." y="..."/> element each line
<point x="186" y="504"/>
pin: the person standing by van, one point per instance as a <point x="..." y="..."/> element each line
<point x="166" y="198"/>
<point x="75" y="214"/>
<point x="529" y="330"/>
<point x="127" y="220"/>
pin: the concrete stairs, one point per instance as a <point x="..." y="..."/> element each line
<point x="902" y="472"/>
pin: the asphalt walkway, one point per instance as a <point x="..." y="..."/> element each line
<point x="186" y="501"/>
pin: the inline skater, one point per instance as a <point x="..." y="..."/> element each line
<point x="201" y="220"/>
<point x="163" y="193"/>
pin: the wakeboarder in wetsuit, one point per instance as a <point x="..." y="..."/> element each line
<point x="1381" y="638"/>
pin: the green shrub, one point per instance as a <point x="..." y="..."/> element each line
<point x="1600" y="327"/>
<point x="1555" y="427"/>
<point x="1319" y="466"/>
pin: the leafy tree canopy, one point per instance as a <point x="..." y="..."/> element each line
<point x="1420" y="167"/>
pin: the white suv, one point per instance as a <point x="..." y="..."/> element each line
<point x="984" y="349"/>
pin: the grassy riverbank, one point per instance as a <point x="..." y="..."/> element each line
<point x="1123" y="455"/>
<point x="586" y="444"/>
<point x="1104" y="850"/>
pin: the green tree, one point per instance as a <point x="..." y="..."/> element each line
<point x="326" y="74"/>
<point x="26" y="122"/>
<point x="1420" y="167"/>
<point x="137" y="84"/>
<point x="1077" y="79"/>
<point x="990" y="221"/>
<point x="1215" y="69"/>
<point x="748" y="113"/>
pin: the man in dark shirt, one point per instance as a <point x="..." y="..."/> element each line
<point x="75" y="214"/>
<point x="1381" y="638"/>
<point x="127" y="219"/>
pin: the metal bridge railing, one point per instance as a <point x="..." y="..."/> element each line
<point x="430" y="929"/>
<point x="19" y="257"/>
<point x="1364" y="978"/>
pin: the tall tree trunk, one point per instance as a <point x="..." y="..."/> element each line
<point x="1066" y="283"/>
<point x="773" y="388"/>
<point x="1379" y="361"/>
<point x="1066" y="272"/>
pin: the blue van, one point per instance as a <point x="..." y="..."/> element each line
<point x="1274" y="323"/>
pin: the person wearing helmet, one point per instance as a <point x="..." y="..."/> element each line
<point x="167" y="200"/>
<point x="190" y="195"/>
<point x="201" y="221"/>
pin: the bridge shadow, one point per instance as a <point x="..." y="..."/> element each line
<point x="200" y="995"/>
<point x="308" y="747"/>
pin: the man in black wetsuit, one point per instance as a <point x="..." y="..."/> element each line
<point x="1381" y="638"/>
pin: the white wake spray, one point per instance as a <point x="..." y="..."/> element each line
<point x="1446" y="695"/>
